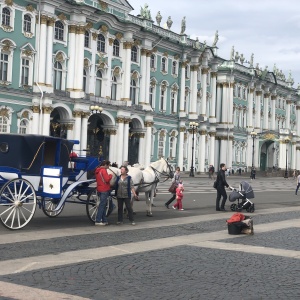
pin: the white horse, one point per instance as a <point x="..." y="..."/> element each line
<point x="146" y="180"/>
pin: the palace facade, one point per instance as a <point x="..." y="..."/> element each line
<point x="61" y="60"/>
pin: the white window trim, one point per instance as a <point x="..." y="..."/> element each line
<point x="10" y="54"/>
<point x="64" y="70"/>
<point x="33" y="24"/>
<point x="167" y="65"/>
<point x="155" y="63"/>
<point x="12" y="19"/>
<point x="66" y="30"/>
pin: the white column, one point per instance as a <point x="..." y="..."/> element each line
<point x="180" y="143"/>
<point x="46" y="120"/>
<point x="298" y="119"/>
<point x="212" y="114"/>
<point x="125" y="139"/>
<point x="230" y="106"/>
<point x="182" y="90"/>
<point x="250" y="108"/>
<point x="212" y="148"/>
<point x="107" y="90"/>
<point x="92" y="74"/>
<point x="194" y="90"/>
<point x="249" y="150"/>
<point x="72" y="57"/>
<point x="112" y="145"/>
<point x="35" y="119"/>
<point x="79" y="63"/>
<point x="293" y="156"/>
<point x="141" y="154"/>
<point x="120" y="140"/>
<point x="143" y="79"/>
<point x="297" y="158"/>
<point x="230" y="150"/>
<point x="49" y="67"/>
<point x="201" y="156"/>
<point x="127" y="70"/>
<point x="223" y="150"/>
<point x="84" y="130"/>
<point x="256" y="152"/>
<point x="288" y="113"/>
<point x="225" y="100"/>
<point x="204" y="91"/>
<point x="273" y="114"/>
<point x="219" y="102"/>
<point x="77" y="129"/>
<point x="148" y="72"/>
<point x="148" y="145"/>
<point x="70" y="131"/>
<point x="257" y="110"/>
<point x="42" y="54"/>
<point x="266" y="111"/>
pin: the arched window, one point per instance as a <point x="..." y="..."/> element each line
<point x="86" y="39"/>
<point x="114" y="88"/>
<point x="25" y="72"/>
<point x="116" y="48"/>
<point x="98" y="86"/>
<point x="23" y="127"/>
<point x="6" y="16"/>
<point x="172" y="102"/>
<point x="172" y="147"/>
<point x="162" y="100"/>
<point x="134" y="54"/>
<point x="3" y="124"/>
<point x="174" y="68"/>
<point x="59" y="31"/>
<point x="27" y="23"/>
<point x="84" y="81"/>
<point x="163" y="65"/>
<point x="152" y="61"/>
<point x="161" y="146"/>
<point x="101" y="43"/>
<point x="133" y="91"/>
<point x="57" y="76"/>
<point x="3" y="67"/>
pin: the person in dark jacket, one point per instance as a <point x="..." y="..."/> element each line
<point x="221" y="183"/>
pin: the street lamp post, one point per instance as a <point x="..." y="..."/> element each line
<point x="95" y="109"/>
<point x="193" y="126"/>
<point x="253" y="135"/>
<point x="286" y="173"/>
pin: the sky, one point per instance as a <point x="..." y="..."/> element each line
<point x="268" y="29"/>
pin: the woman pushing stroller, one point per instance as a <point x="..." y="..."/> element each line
<point x="221" y="183"/>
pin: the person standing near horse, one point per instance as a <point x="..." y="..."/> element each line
<point x="221" y="183"/>
<point x="103" y="190"/>
<point x="177" y="180"/>
<point x="124" y="187"/>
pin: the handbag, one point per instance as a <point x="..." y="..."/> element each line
<point x="215" y="184"/>
<point x="172" y="188"/>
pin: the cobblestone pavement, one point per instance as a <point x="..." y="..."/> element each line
<point x="186" y="255"/>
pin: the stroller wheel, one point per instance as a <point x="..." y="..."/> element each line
<point x="233" y="207"/>
<point x="251" y="208"/>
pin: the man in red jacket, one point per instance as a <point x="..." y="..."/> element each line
<point x="103" y="190"/>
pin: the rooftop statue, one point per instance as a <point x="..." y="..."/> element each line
<point x="169" y="23"/>
<point x="216" y="39"/>
<point x="237" y="57"/>
<point x="158" y="18"/>
<point x="197" y="43"/>
<point x="145" y="12"/>
<point x="232" y="53"/>
<point x="251" y="60"/>
<point x="242" y="59"/>
<point x="183" y="26"/>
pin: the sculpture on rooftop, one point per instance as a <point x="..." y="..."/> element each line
<point x="251" y="60"/>
<point x="183" y="26"/>
<point x="216" y="39"/>
<point x="169" y="23"/>
<point x="145" y="12"/>
<point x="232" y="53"/>
<point x="158" y="18"/>
<point x="242" y="59"/>
<point x="197" y="43"/>
<point x="237" y="57"/>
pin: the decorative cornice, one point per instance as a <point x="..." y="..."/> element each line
<point x="103" y="5"/>
<point x="119" y="35"/>
<point x="182" y="129"/>
<point x="120" y="120"/>
<point x="148" y="123"/>
<point x="72" y="29"/>
<point x="258" y="93"/>
<point x="30" y="8"/>
<point x="47" y="109"/>
<point x="76" y="114"/>
<point x="9" y="2"/>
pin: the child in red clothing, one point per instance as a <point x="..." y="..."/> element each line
<point x="179" y="196"/>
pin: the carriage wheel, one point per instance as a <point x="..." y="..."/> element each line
<point x="17" y="203"/>
<point x="233" y="207"/>
<point x="48" y="205"/>
<point x="92" y="205"/>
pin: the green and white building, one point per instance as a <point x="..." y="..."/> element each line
<point x="59" y="58"/>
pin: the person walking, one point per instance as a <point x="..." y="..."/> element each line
<point x="298" y="184"/>
<point x="124" y="187"/>
<point x="294" y="174"/>
<point x="221" y="183"/>
<point x="103" y="190"/>
<point x="177" y="180"/>
<point x="179" y="196"/>
<point x="253" y="173"/>
<point x="211" y="172"/>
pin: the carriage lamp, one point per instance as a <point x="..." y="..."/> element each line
<point x="253" y="135"/>
<point x="286" y="173"/>
<point x="95" y="109"/>
<point x="193" y="127"/>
